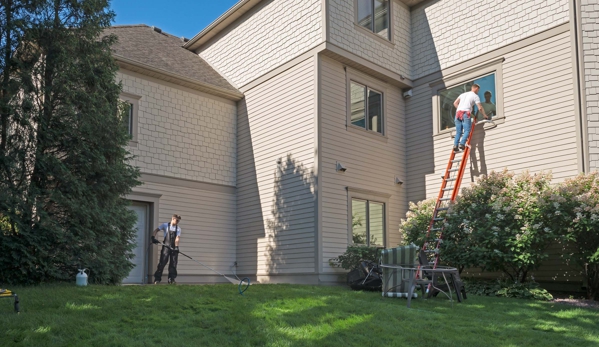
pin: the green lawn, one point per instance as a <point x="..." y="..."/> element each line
<point x="281" y="315"/>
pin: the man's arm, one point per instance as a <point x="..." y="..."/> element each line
<point x="456" y="103"/>
<point x="177" y="241"/>
<point x="481" y="109"/>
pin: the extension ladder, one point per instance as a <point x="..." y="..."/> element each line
<point x="452" y="179"/>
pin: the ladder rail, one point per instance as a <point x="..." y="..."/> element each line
<point x="440" y="198"/>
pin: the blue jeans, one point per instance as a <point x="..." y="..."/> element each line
<point x="465" y="124"/>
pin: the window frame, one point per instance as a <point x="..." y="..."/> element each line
<point x="389" y="38"/>
<point x="495" y="66"/>
<point x="370" y="84"/>
<point x="133" y="100"/>
<point x="369" y="196"/>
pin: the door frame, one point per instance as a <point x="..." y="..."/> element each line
<point x="153" y="201"/>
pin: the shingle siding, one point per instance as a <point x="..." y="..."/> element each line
<point x="345" y="34"/>
<point x="590" y="43"/>
<point x="448" y="32"/>
<point x="272" y="34"/>
<point x="183" y="133"/>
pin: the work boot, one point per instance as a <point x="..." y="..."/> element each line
<point x="156" y="282"/>
<point x="455" y="149"/>
<point x="462" y="147"/>
<point x="171" y="281"/>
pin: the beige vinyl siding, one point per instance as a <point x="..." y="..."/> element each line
<point x="207" y="230"/>
<point x="276" y="212"/>
<point x="371" y="164"/>
<point x="538" y="133"/>
<point x="539" y="129"/>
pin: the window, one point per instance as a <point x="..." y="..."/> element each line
<point x="127" y="116"/>
<point x="129" y="109"/>
<point x="368" y="222"/>
<point x="487" y="94"/>
<point x="374" y="16"/>
<point x="366" y="107"/>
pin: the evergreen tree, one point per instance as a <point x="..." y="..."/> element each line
<point x="65" y="170"/>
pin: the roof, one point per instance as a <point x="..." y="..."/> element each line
<point x="150" y="48"/>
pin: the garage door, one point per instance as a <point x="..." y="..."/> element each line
<point x="137" y="274"/>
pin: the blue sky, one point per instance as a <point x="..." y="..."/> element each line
<point x="176" y="17"/>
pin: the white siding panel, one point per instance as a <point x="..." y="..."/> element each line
<point x="371" y="164"/>
<point x="276" y="214"/>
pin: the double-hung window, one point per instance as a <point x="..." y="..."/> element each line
<point x="366" y="107"/>
<point x="374" y="16"/>
<point x="368" y="222"/>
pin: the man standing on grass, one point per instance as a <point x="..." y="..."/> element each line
<point x="170" y="249"/>
<point x="463" y="118"/>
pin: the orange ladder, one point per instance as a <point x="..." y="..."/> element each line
<point x="452" y="179"/>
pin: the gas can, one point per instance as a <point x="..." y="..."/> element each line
<point x="82" y="278"/>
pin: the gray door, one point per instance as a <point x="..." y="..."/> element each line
<point x="136" y="276"/>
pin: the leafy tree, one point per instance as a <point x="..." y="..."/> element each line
<point x="65" y="169"/>
<point x="572" y="208"/>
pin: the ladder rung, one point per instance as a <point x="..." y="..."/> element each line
<point x="450" y="179"/>
<point x="445" y="199"/>
<point x="443" y="209"/>
<point x="454" y="170"/>
<point x="447" y="189"/>
<point x="456" y="160"/>
<point x="432" y="251"/>
<point x="438" y="219"/>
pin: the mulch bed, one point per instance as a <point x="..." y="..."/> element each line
<point x="566" y="299"/>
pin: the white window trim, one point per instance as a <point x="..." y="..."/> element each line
<point x="495" y="66"/>
<point x="388" y="41"/>
<point x="369" y="195"/>
<point x="134" y="101"/>
<point x="369" y="82"/>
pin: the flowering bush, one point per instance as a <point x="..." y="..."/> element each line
<point x="573" y="206"/>
<point x="499" y="221"/>
<point x="413" y="228"/>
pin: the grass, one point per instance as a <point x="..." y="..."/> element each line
<point x="281" y="315"/>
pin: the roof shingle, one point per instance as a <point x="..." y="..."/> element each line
<point x="141" y="43"/>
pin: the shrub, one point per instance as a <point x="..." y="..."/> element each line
<point x="414" y="227"/>
<point x="352" y="257"/>
<point x="529" y="290"/>
<point x="573" y="208"/>
<point x="498" y="221"/>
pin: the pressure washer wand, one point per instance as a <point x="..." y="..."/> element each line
<point x="241" y="281"/>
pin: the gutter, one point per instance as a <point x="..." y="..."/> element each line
<point x="214" y="26"/>
<point x="209" y="88"/>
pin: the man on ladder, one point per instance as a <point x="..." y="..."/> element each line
<point x="463" y="117"/>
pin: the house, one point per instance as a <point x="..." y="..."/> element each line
<point x="288" y="129"/>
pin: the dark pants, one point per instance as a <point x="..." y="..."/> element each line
<point x="172" y="257"/>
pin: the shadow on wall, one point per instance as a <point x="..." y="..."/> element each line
<point x="478" y="161"/>
<point x="419" y="108"/>
<point x="290" y="230"/>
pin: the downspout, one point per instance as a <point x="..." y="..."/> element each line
<point x="579" y="90"/>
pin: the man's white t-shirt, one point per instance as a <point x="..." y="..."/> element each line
<point x="467" y="100"/>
